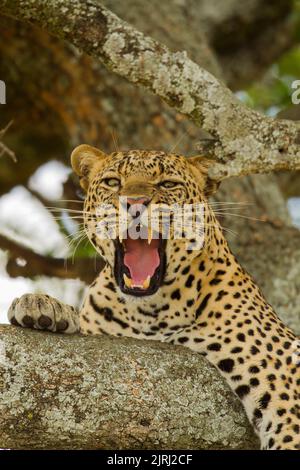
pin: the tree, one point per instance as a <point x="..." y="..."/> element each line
<point x="236" y="45"/>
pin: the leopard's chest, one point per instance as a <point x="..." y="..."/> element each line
<point x="110" y="313"/>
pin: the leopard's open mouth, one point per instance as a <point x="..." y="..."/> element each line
<point x="140" y="264"/>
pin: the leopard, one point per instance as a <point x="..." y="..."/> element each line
<point x="187" y="290"/>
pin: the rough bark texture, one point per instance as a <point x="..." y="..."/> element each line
<point x="245" y="142"/>
<point x="105" y="393"/>
<point x="244" y="38"/>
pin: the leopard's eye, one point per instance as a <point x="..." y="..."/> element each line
<point x="111" y="182"/>
<point x="169" y="184"/>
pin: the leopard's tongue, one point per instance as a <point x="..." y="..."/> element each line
<point x="141" y="259"/>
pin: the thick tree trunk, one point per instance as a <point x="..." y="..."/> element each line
<point x="75" y="392"/>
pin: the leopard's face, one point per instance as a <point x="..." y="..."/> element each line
<point x="145" y="212"/>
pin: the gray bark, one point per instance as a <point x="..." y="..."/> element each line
<point x="243" y="37"/>
<point x="75" y="392"/>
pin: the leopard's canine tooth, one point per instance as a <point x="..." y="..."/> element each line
<point x="128" y="281"/>
<point x="146" y="283"/>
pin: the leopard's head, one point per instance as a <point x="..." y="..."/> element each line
<point x="145" y="211"/>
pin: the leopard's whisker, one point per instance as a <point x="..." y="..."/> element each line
<point x="231" y="208"/>
<point x="74" y="235"/>
<point x="240" y="216"/>
<point x="222" y="227"/>
<point x="75" y="217"/>
<point x="63" y="209"/>
<point x="230" y="202"/>
<point x="180" y="138"/>
<point x="71" y="241"/>
<point x="114" y="139"/>
<point x="79" y="236"/>
<point x="72" y="200"/>
<point x="77" y="245"/>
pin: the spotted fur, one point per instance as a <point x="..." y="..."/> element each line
<point x="207" y="302"/>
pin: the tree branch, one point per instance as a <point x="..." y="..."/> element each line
<point x="24" y="262"/>
<point x="78" y="392"/>
<point x="245" y="141"/>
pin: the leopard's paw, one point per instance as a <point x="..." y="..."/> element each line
<point x="43" y="312"/>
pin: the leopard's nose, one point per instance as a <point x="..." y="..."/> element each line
<point x="142" y="200"/>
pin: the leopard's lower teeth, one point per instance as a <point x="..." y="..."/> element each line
<point x="129" y="283"/>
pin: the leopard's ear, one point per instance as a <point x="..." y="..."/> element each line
<point x="202" y="165"/>
<point x="85" y="160"/>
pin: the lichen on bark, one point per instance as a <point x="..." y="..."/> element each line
<point x="76" y="392"/>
